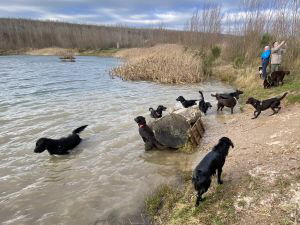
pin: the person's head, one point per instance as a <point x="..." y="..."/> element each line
<point x="266" y="48"/>
<point x="275" y="43"/>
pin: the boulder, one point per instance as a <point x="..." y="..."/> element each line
<point x="174" y="130"/>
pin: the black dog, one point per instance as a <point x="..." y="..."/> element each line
<point x="213" y="161"/>
<point x="228" y="102"/>
<point x="147" y="134"/>
<point x="275" y="78"/>
<point x="60" y="146"/>
<point x="273" y="103"/>
<point x="186" y="103"/>
<point x="236" y="94"/>
<point x="158" y="112"/>
<point x="203" y="106"/>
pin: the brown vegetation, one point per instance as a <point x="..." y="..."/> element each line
<point x="162" y="63"/>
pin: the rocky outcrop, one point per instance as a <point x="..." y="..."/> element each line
<point x="174" y="130"/>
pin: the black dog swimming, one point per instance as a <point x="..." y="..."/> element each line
<point x="59" y="146"/>
<point x="186" y="103"/>
<point x="273" y="103"/>
<point x="203" y="106"/>
<point x="147" y="134"/>
<point x="158" y="112"/>
<point x="213" y="161"/>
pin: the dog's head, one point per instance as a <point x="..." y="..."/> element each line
<point x="267" y="84"/>
<point x="140" y="120"/>
<point x="161" y="107"/>
<point x="227" y="141"/>
<point x="180" y="99"/>
<point x="41" y="145"/>
<point x="250" y="101"/>
<point x="208" y="105"/>
<point x="239" y="92"/>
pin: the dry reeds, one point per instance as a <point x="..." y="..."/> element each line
<point x="168" y="63"/>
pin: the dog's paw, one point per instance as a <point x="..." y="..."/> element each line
<point x="220" y="182"/>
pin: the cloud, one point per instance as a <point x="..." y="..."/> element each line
<point x="137" y="13"/>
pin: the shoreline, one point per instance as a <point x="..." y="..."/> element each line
<point x="260" y="187"/>
<point x="55" y="51"/>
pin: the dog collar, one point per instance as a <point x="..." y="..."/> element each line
<point x="157" y="114"/>
<point x="140" y="126"/>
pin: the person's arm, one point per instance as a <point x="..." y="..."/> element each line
<point x="278" y="47"/>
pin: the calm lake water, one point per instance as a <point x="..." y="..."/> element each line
<point x="108" y="175"/>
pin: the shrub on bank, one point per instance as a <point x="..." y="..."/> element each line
<point x="168" y="63"/>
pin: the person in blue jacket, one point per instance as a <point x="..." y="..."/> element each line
<point x="265" y="60"/>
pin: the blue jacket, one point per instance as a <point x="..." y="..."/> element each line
<point x="266" y="55"/>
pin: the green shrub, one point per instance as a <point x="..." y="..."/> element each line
<point x="216" y="52"/>
<point x="266" y="39"/>
<point x="239" y="62"/>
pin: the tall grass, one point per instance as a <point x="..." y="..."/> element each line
<point x="168" y="63"/>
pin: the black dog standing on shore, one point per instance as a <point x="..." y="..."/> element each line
<point x="275" y="78"/>
<point x="213" y="161"/>
<point x="203" y="106"/>
<point x="236" y="94"/>
<point x="227" y="99"/>
<point x="273" y="103"/>
<point x="59" y="146"/>
<point x="147" y="134"/>
<point x="186" y="103"/>
<point x="158" y="112"/>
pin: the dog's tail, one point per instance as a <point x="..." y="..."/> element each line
<point x="282" y="96"/>
<point x="200" y="92"/>
<point x="79" y="129"/>
<point x="150" y="109"/>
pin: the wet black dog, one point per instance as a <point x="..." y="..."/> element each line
<point x="186" y="103"/>
<point x="273" y="103"/>
<point x="212" y="162"/>
<point x="59" y="146"/>
<point x="228" y="102"/>
<point x="147" y="134"/>
<point x="158" y="112"/>
<point x="203" y="106"/>
<point x="227" y="99"/>
<point x="236" y="94"/>
<point x="275" y="78"/>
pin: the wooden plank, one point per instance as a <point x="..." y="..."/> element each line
<point x="196" y="132"/>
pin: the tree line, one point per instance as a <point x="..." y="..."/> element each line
<point x="240" y="35"/>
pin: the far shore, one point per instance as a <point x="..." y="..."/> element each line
<point x="55" y="51"/>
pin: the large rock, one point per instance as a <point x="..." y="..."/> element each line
<point x="173" y="130"/>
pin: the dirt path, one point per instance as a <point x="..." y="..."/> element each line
<point x="268" y="152"/>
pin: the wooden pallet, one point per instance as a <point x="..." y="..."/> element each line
<point x="196" y="132"/>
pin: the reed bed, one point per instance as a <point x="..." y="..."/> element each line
<point x="169" y="63"/>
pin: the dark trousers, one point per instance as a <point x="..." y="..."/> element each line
<point x="265" y="64"/>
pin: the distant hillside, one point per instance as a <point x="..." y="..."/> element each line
<point x="24" y="33"/>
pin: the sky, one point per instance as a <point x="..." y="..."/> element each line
<point x="172" y="14"/>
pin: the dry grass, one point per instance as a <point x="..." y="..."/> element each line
<point x="168" y="63"/>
